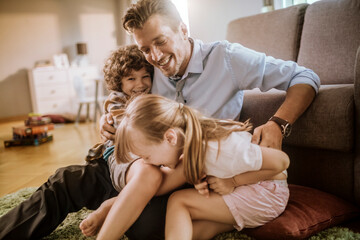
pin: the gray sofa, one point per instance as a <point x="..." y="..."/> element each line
<point x="324" y="146"/>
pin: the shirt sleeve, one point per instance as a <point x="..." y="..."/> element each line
<point x="236" y="155"/>
<point x="253" y="69"/>
<point x="115" y="104"/>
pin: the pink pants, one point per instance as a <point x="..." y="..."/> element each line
<point x="256" y="204"/>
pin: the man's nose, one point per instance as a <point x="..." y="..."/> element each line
<point x="156" y="54"/>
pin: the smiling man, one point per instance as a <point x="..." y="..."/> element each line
<point x="210" y="77"/>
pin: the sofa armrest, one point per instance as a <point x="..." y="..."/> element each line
<point x="327" y="124"/>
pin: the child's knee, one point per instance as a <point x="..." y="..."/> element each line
<point x="178" y="198"/>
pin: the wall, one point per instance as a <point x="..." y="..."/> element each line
<point x="37" y="29"/>
<point x="208" y="18"/>
<point x="33" y="30"/>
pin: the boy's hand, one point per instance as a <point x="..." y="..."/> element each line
<point x="221" y="186"/>
<point x="107" y="130"/>
<point x="202" y="187"/>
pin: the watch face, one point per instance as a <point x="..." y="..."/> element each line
<point x="283" y="124"/>
<point x="286" y="130"/>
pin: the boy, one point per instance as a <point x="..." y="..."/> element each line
<point x="126" y="74"/>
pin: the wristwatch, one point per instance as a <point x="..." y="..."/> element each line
<point x="284" y="125"/>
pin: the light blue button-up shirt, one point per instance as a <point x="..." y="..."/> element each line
<point x="218" y="73"/>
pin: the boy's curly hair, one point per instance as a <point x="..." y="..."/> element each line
<point x="121" y="63"/>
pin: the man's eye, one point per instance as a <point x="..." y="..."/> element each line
<point x="161" y="42"/>
<point x="146" y="51"/>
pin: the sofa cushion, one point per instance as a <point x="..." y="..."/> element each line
<point x="308" y="211"/>
<point x="330" y="51"/>
<point x="327" y="124"/>
<point x="275" y="33"/>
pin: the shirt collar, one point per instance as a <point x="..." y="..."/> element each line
<point x="195" y="64"/>
<point x="196" y="61"/>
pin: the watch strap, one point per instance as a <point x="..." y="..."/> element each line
<point x="284" y="125"/>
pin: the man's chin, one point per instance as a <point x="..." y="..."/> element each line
<point x="168" y="73"/>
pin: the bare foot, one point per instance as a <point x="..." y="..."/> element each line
<point x="91" y="225"/>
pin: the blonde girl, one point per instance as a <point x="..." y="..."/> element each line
<point x="165" y="133"/>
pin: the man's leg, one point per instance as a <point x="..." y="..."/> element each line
<point x="68" y="190"/>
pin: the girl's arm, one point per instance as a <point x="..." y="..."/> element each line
<point x="274" y="162"/>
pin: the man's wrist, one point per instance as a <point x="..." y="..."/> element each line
<point x="285" y="126"/>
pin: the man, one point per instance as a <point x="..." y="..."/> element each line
<point x="209" y="77"/>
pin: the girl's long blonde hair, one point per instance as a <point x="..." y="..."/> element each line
<point x="153" y="115"/>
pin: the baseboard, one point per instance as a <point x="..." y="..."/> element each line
<point x="14" y="118"/>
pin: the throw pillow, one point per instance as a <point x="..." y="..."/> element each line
<point x="308" y="212"/>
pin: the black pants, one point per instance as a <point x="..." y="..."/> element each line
<point x="68" y="190"/>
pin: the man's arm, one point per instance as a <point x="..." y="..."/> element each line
<point x="107" y="130"/>
<point x="113" y="106"/>
<point x="298" y="99"/>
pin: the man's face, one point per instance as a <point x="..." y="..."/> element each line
<point x="166" y="49"/>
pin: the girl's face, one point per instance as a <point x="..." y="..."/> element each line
<point x="136" y="82"/>
<point x="166" y="153"/>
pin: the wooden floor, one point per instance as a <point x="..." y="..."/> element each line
<point x="30" y="166"/>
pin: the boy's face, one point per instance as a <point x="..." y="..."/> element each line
<point x="164" y="48"/>
<point x="136" y="82"/>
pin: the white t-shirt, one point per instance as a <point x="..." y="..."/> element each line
<point x="237" y="155"/>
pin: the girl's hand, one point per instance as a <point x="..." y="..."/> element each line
<point x="221" y="186"/>
<point x="202" y="187"/>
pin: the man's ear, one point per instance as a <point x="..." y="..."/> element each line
<point x="171" y="136"/>
<point x="184" y="31"/>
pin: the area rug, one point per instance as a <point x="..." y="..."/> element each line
<point x="69" y="228"/>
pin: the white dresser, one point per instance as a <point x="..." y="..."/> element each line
<point x="56" y="91"/>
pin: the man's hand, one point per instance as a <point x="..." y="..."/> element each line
<point x="221" y="186"/>
<point x="107" y="130"/>
<point x="268" y="135"/>
<point x="202" y="187"/>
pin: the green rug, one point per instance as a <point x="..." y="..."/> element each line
<point x="69" y="228"/>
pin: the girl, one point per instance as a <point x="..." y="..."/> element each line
<point x="127" y="74"/>
<point x="166" y="134"/>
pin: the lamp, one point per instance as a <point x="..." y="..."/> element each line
<point x="82" y="58"/>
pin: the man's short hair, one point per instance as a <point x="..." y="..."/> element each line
<point x="121" y="63"/>
<point x="137" y="14"/>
